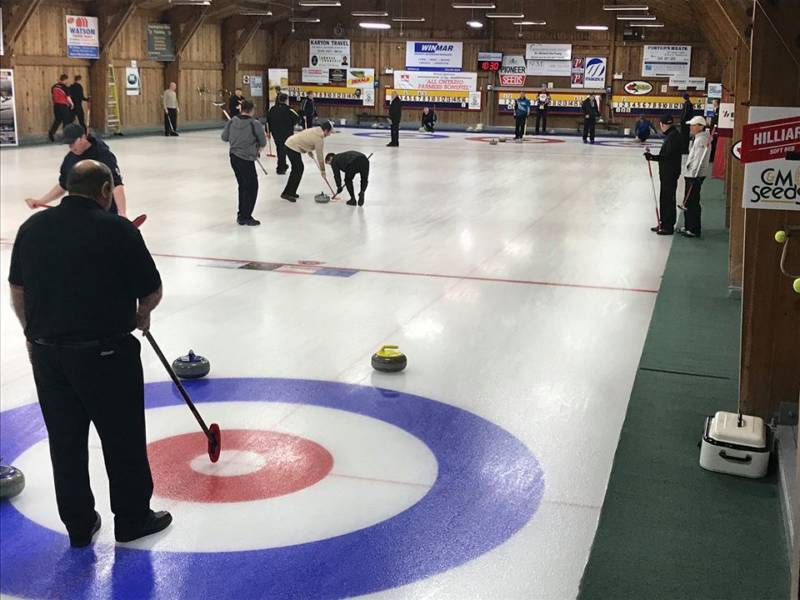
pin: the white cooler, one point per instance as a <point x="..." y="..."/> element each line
<point x="739" y="448"/>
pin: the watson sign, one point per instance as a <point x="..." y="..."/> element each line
<point x="434" y="56"/>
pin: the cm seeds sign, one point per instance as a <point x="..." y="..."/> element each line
<point x="434" y="56"/>
<point x="771" y="155"/>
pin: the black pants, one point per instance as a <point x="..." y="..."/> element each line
<point x="360" y="166"/>
<point x="62" y="116"/>
<point x="79" y="114"/>
<point x="101" y="385"/>
<point x="280" y="150"/>
<point x="693" y="208"/>
<point x="395" y="132"/>
<point x="588" y="128"/>
<point x="685" y="138"/>
<point x="171" y="121"/>
<point x="667" y="202"/>
<point x="296" y="174"/>
<point x="541" y="117"/>
<point x="308" y="121"/>
<point x="247" y="178"/>
<point x="519" y="127"/>
<point x="714" y="139"/>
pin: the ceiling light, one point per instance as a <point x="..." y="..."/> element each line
<point x="304" y="20"/>
<point x="521" y="23"/>
<point x="646" y="25"/>
<point x="190" y="2"/>
<point x="636" y="17"/>
<point x="476" y="6"/>
<point x="625" y="7"/>
<point x="591" y="27"/>
<point x="319" y="3"/>
<point x="409" y="19"/>
<point x="374" y="25"/>
<point x="475" y="24"/>
<point x="369" y="13"/>
<point x="254" y="12"/>
<point x="505" y="16"/>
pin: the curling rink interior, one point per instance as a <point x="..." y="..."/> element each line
<point x="519" y="279"/>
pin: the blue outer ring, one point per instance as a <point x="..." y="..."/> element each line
<point x="406" y="135"/>
<point x="489" y="485"/>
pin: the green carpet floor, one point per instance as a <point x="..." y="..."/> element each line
<point x="669" y="529"/>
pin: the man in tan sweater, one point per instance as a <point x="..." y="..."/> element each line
<point x="312" y="141"/>
<point x="170" y="101"/>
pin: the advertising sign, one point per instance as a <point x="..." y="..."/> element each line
<point x="490" y="61"/>
<point x="434" y="56"/>
<point x="651" y="105"/>
<point x="578" y="71"/>
<point x="312" y="75"/>
<point x="771" y="139"/>
<point x="638" y="88"/>
<point x="714" y="90"/>
<point x="555" y="68"/>
<point x="512" y="71"/>
<point x="8" y="109"/>
<point x="666" y="61"/>
<point x="447" y="99"/>
<point x="361" y="78"/>
<point x="276" y="78"/>
<point x="131" y="81"/>
<point x="548" y="51"/>
<point x="432" y="80"/>
<point x="257" y="86"/>
<point x="595" y="76"/>
<point x="337" y="76"/>
<point x="328" y="54"/>
<point x="684" y="83"/>
<point x="83" y="40"/>
<point x="2" y="44"/>
<point x="160" y="45"/>
<point x="725" y="124"/>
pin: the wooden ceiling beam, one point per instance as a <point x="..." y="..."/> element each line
<point x="116" y="25"/>
<point x="184" y="36"/>
<point x="16" y="21"/>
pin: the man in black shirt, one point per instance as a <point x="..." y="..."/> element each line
<point x="669" y="171"/>
<point x="591" y="111"/>
<point x="76" y="94"/>
<point x="235" y="103"/>
<point x="352" y="163"/>
<point x="308" y="110"/>
<point x="395" y="115"/>
<point x="687" y="112"/>
<point x="81" y="280"/>
<point x="281" y="120"/>
<point x="83" y="147"/>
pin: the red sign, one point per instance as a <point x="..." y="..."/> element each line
<point x="770" y="140"/>
<point x="490" y="65"/>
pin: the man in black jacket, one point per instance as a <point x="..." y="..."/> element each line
<point x="281" y="120"/>
<point x="76" y="94"/>
<point x="352" y="163"/>
<point x="590" y="113"/>
<point x="395" y="114"/>
<point x="308" y="110"/>
<point x="669" y="171"/>
<point x="687" y="112"/>
<point x="235" y="103"/>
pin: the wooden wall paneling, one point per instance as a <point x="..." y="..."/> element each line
<point x="15" y="22"/>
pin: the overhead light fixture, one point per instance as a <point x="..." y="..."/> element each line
<point x="369" y="13"/>
<point x="304" y="20"/>
<point x="505" y="16"/>
<point x="475" y="6"/>
<point x="625" y="7"/>
<point x="190" y="2"/>
<point x="521" y="23"/>
<point x="319" y="3"/>
<point x="374" y="25"/>
<point x="408" y="19"/>
<point x="254" y="12"/>
<point x="636" y="17"/>
<point x="475" y="24"/>
<point x="591" y="27"/>
<point x="646" y="25"/>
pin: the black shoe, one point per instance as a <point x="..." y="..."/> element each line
<point x="250" y="221"/>
<point x="351" y="202"/>
<point x="174" y="134"/>
<point x="664" y="232"/>
<point x="290" y="197"/>
<point x="689" y="234"/>
<point x="155" y="522"/>
<point x="295" y="196"/>
<point x="81" y="540"/>
<point x="51" y="137"/>
<point x="281" y="172"/>
<point x="166" y="134"/>
<point x="361" y="199"/>
<point x="392" y="145"/>
<point x="585" y="142"/>
<point x="655" y="229"/>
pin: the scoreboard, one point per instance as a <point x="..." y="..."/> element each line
<point x="490" y="61"/>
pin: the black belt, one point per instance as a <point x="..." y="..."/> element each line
<point x="77" y="344"/>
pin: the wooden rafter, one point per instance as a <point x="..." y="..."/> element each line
<point x="245" y="37"/>
<point x="16" y="23"/>
<point x="186" y="34"/>
<point x="114" y="28"/>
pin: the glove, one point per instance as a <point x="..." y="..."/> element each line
<point x="648" y="156"/>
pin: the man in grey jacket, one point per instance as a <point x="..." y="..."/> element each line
<point x="695" y="171"/>
<point x="247" y="137"/>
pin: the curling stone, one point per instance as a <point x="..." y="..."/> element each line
<point x="422" y="129"/>
<point x="191" y="366"/>
<point x="375" y="125"/>
<point x="503" y="140"/>
<point x="322" y="198"/>
<point x="11" y="481"/>
<point x="493" y="142"/>
<point x="389" y="360"/>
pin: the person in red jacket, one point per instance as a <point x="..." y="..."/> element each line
<point x="62" y="106"/>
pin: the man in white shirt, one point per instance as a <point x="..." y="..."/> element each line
<point x="695" y="171"/>
<point x="170" y="101"/>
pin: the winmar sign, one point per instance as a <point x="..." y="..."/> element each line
<point x="638" y="88"/>
<point x="434" y="56"/>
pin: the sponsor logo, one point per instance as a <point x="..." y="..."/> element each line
<point x="432" y="48"/>
<point x="777" y="185"/>
<point x="736" y="150"/>
<point x="638" y="88"/>
<point x="596" y="68"/>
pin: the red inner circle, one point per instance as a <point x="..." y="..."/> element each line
<point x="292" y="463"/>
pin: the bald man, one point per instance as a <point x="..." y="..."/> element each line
<point x="81" y="281"/>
